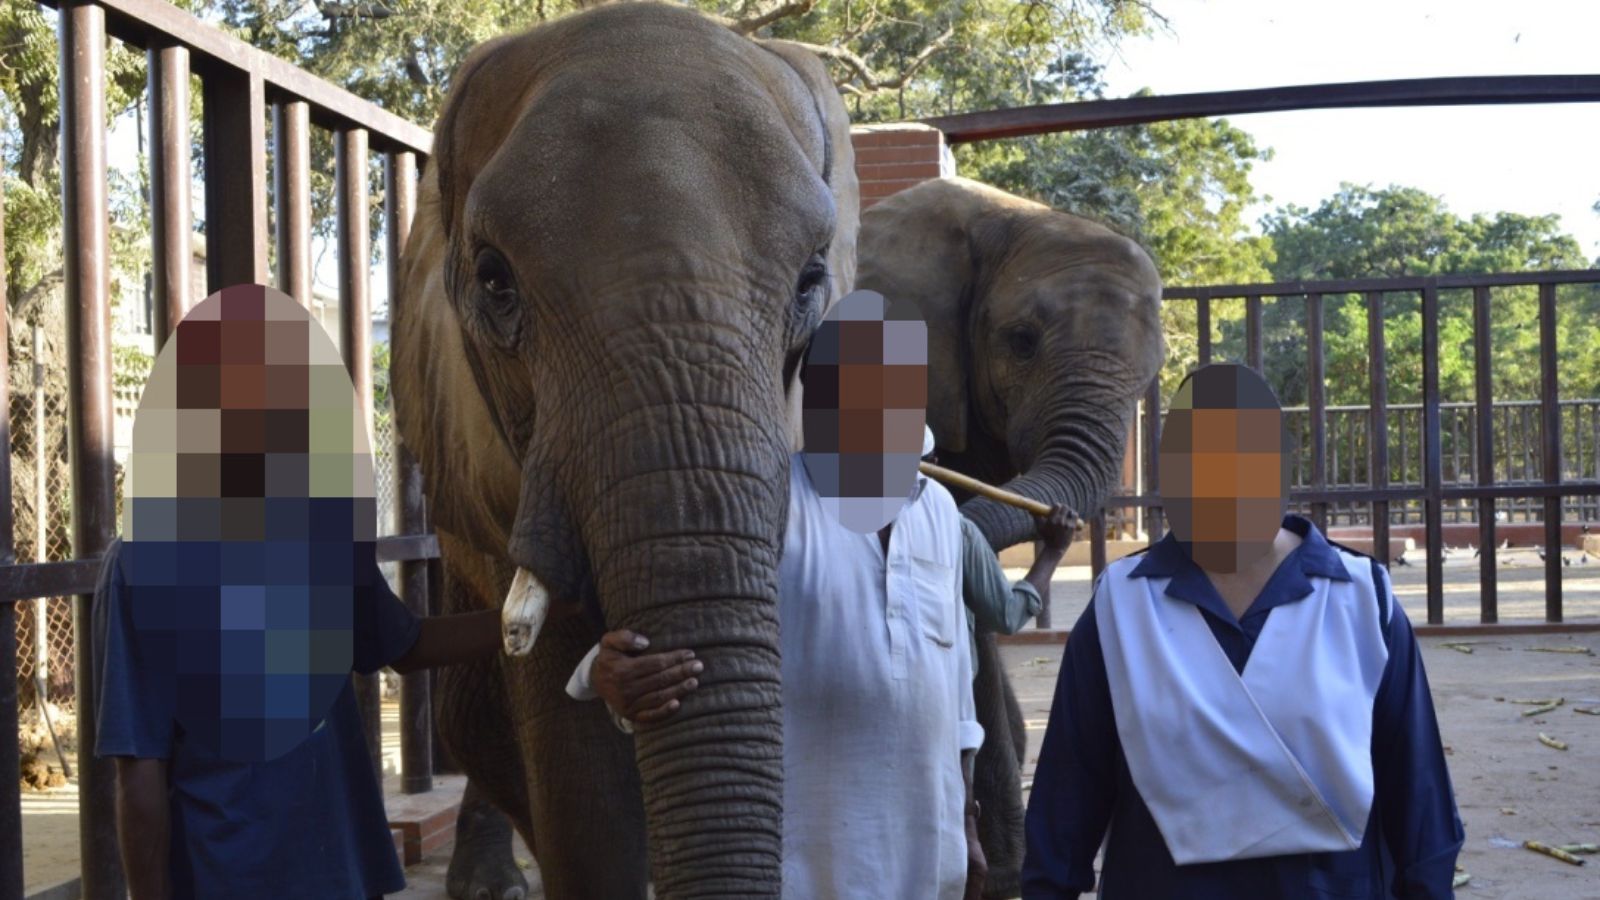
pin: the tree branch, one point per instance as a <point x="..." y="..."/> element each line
<point x="869" y="81"/>
<point x="354" y="10"/>
<point x="781" y="11"/>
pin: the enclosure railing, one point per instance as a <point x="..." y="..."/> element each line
<point x="1543" y="482"/>
<point x="1516" y="459"/>
<point x="240" y="87"/>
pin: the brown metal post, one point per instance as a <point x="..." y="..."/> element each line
<point x="1433" y="455"/>
<point x="416" y="703"/>
<point x="236" y="179"/>
<point x="11" y="884"/>
<point x="355" y="341"/>
<point x="1202" y="325"/>
<point x="1378" y="446"/>
<point x="1097" y="545"/>
<point x="1550" y="433"/>
<point x="171" y="216"/>
<point x="291" y="133"/>
<point x="1152" y="451"/>
<point x="1252" y="332"/>
<point x="84" y="237"/>
<point x="1488" y="598"/>
<point x="1316" y="399"/>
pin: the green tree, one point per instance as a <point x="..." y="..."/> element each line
<point x="1362" y="232"/>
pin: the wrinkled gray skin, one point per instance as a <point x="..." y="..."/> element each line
<point x="632" y="220"/>
<point x="1043" y="330"/>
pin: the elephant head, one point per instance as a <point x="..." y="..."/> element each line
<point x="632" y="221"/>
<point x="1043" y="329"/>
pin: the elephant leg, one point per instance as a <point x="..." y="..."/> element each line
<point x="474" y="722"/>
<point x="997" y="778"/>
<point x="1014" y="719"/>
<point x="587" y="807"/>
<point x="475" y="725"/>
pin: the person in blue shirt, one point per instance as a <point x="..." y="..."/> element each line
<point x="1303" y="760"/>
<point x="308" y="824"/>
<point x="228" y="618"/>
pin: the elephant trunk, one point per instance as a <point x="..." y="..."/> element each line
<point x="685" y="539"/>
<point x="1068" y="452"/>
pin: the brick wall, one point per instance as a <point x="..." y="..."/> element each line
<point x="891" y="158"/>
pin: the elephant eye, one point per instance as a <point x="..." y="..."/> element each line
<point x="813" y="280"/>
<point x="1023" y="341"/>
<point x="498" y="298"/>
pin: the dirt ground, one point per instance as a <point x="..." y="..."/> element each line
<point x="1510" y="788"/>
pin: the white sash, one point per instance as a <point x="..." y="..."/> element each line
<point x="1276" y="761"/>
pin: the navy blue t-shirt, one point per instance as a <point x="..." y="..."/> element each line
<point x="309" y="824"/>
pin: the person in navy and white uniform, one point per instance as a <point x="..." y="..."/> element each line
<point x="1242" y="711"/>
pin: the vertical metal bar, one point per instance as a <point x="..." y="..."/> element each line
<point x="291" y="134"/>
<point x="355" y="342"/>
<point x="416" y="723"/>
<point x="11" y="884"/>
<point x="1378" y="435"/>
<point x="1433" y="457"/>
<point x="1202" y="315"/>
<point x="84" y="230"/>
<point x="1252" y="332"/>
<point x="1549" y="398"/>
<point x="1318" y="403"/>
<point x="236" y="179"/>
<point x="171" y="215"/>
<point x="1152" y="450"/>
<point x="1484" y="449"/>
<point x="1097" y="545"/>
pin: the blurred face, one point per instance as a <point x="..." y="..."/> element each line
<point x="249" y="512"/>
<point x="1223" y="470"/>
<point x="865" y="399"/>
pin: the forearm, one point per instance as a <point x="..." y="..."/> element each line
<point x="446" y="640"/>
<point x="144" y="827"/>
<point x="1044" y="569"/>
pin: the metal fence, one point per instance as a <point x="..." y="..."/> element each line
<point x="1533" y="459"/>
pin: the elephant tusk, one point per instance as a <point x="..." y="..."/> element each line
<point x="526" y="606"/>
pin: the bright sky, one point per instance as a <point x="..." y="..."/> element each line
<point x="1534" y="159"/>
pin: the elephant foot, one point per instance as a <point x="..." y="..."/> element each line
<point x="482" y="866"/>
<point x="484" y="873"/>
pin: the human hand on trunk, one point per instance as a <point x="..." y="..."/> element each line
<point x="1056" y="529"/>
<point x="642" y="687"/>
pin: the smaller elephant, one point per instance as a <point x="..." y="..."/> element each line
<point x="1043" y="330"/>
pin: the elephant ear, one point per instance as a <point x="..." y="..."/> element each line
<point x="839" y="171"/>
<point x="917" y="245"/>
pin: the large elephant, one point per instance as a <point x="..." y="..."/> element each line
<point x="632" y="221"/>
<point x="1043" y="329"/>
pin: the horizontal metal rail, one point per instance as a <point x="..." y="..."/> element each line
<point x="1465" y="91"/>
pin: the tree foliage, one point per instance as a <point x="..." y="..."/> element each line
<point x="1366" y="232"/>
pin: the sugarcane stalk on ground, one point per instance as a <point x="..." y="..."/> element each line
<point x="1556" y="852"/>
<point x="1549" y="741"/>
<point x="1545" y="708"/>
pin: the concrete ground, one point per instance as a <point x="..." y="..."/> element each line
<point x="1509" y="786"/>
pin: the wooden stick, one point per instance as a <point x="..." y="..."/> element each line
<point x="1001" y="495"/>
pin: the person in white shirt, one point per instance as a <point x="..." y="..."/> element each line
<point x="879" y="723"/>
